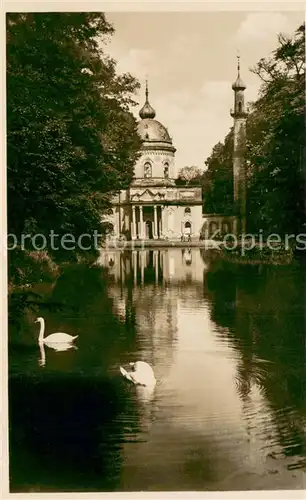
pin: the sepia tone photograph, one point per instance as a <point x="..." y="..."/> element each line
<point x="156" y="251"/>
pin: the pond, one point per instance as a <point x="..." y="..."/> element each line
<point x="227" y="346"/>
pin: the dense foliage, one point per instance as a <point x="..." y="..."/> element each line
<point x="275" y="146"/>
<point x="71" y="140"/>
<point x="276" y="138"/>
<point x="218" y="179"/>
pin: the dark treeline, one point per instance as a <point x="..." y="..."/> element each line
<point x="275" y="146"/>
<point x="71" y="140"/>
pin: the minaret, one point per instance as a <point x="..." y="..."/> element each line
<point x="239" y="113"/>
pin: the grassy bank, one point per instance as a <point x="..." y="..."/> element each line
<point x="257" y="255"/>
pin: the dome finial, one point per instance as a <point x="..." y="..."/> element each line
<point x="238" y="84"/>
<point x="147" y="111"/>
<point x="147" y="90"/>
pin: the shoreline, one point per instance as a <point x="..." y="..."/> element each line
<point x="140" y="244"/>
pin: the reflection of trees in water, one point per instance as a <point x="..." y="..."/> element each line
<point x="263" y="309"/>
<point x="68" y="419"/>
<point x="65" y="433"/>
<point x="101" y="337"/>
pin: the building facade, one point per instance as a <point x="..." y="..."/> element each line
<point x="153" y="207"/>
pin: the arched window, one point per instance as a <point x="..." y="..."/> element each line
<point x="239" y="106"/>
<point x="166" y="170"/>
<point x="187" y="211"/>
<point x="147" y="170"/>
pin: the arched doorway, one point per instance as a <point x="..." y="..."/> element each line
<point x="149" y="230"/>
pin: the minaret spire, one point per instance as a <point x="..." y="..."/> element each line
<point x="239" y="114"/>
<point x="147" y="91"/>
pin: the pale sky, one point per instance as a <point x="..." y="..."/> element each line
<point x="190" y="60"/>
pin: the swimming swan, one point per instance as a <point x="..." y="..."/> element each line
<point x="141" y="374"/>
<point x="54" y="338"/>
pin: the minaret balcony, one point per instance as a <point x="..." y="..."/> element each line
<point x="235" y="113"/>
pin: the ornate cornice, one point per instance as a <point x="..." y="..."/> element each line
<point x="158" y="146"/>
<point x="153" y="181"/>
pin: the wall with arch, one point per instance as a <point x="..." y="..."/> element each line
<point x="183" y="220"/>
<point x="159" y="162"/>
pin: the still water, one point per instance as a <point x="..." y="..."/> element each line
<point x="227" y="345"/>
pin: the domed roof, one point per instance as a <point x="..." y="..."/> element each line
<point x="152" y="130"/>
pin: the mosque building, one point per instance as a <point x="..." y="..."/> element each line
<point x="154" y="207"/>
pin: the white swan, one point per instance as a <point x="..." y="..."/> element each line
<point x="55" y="339"/>
<point x="141" y="374"/>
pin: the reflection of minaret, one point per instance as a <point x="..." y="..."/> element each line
<point x="239" y="114"/>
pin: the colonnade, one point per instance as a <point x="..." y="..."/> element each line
<point x="158" y="222"/>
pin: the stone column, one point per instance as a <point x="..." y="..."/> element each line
<point x="162" y="222"/>
<point x="155" y="233"/>
<point x="141" y="235"/>
<point x="121" y="220"/>
<point x="133" y="223"/>
<point x="165" y="221"/>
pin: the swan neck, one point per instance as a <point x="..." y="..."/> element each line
<point x="42" y="361"/>
<point x="42" y="331"/>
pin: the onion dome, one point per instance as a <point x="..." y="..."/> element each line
<point x="147" y="111"/>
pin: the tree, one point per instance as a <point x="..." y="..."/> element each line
<point x="275" y="140"/>
<point x="274" y="154"/>
<point x="71" y="140"/>
<point x="217" y="180"/>
<point x="189" y="175"/>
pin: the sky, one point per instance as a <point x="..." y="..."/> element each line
<point x="190" y="59"/>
